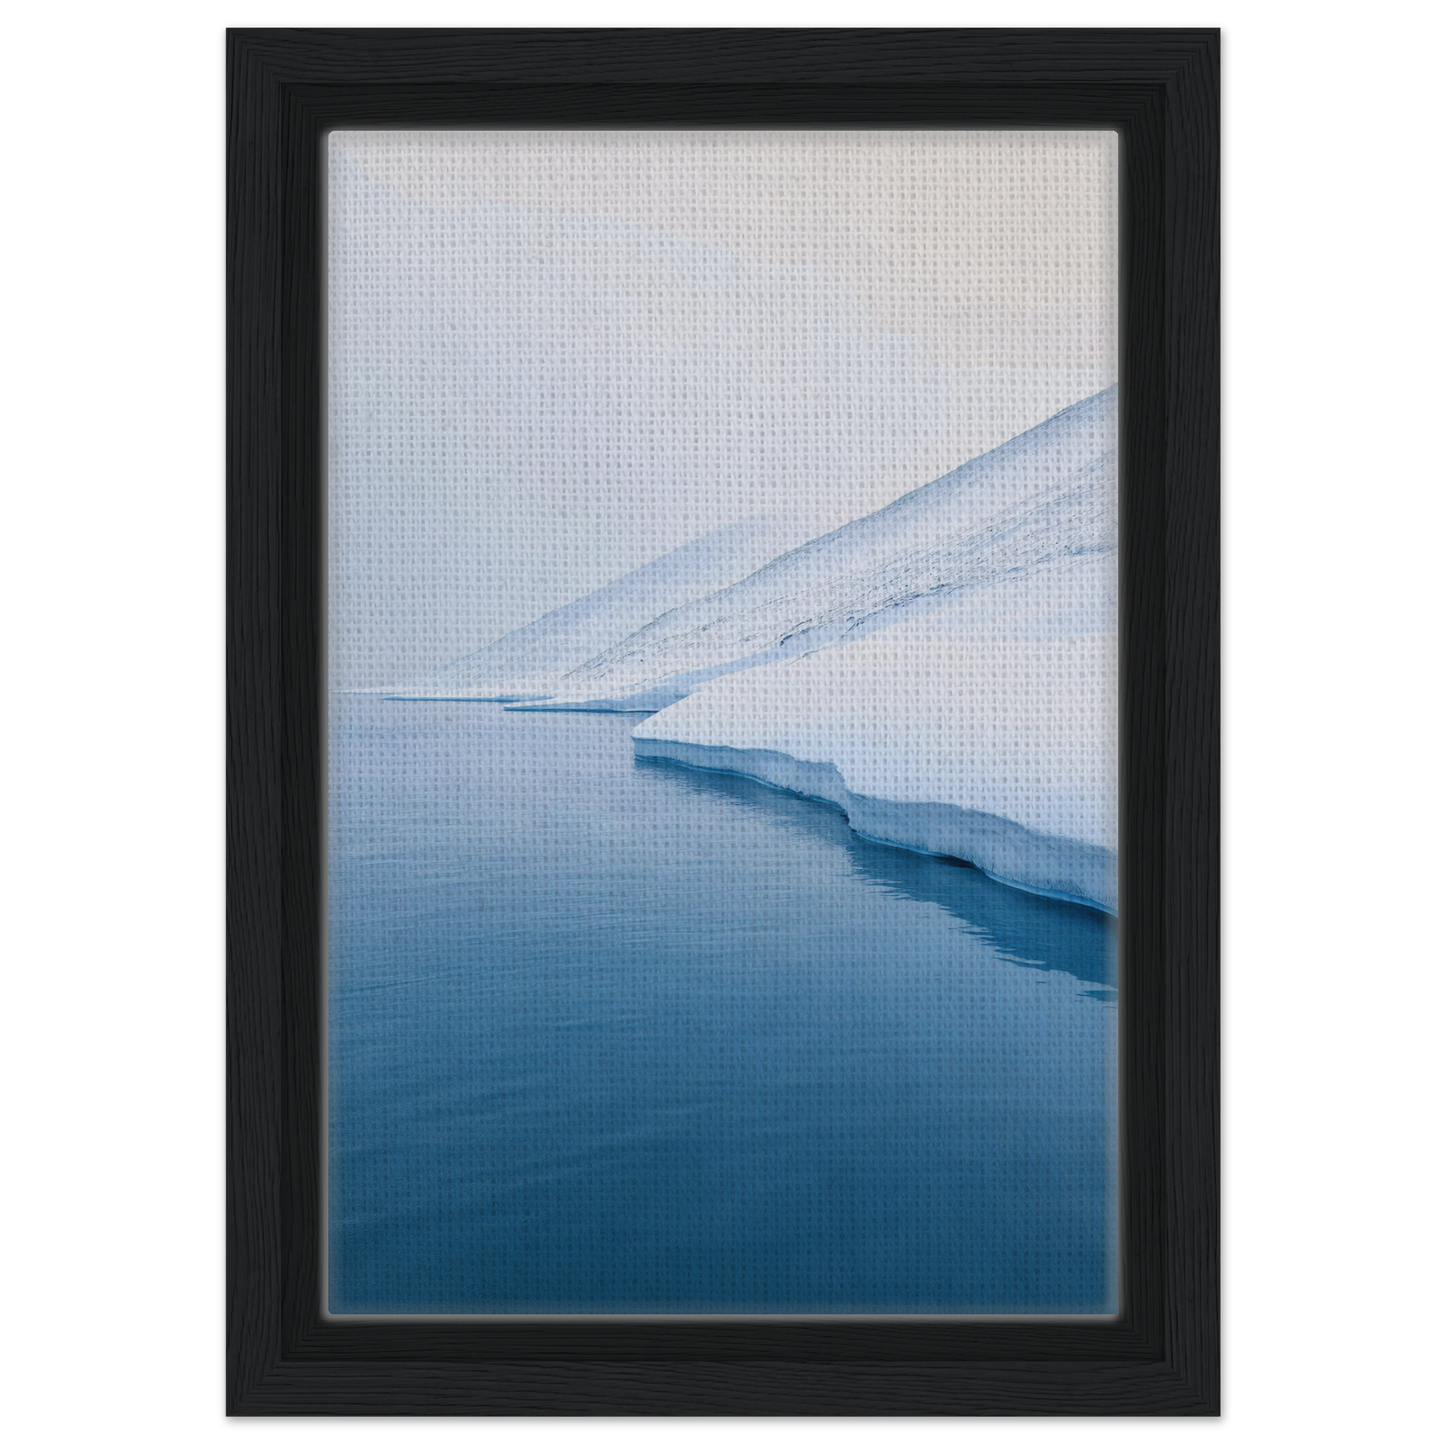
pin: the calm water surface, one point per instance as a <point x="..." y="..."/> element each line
<point x="622" y="1037"/>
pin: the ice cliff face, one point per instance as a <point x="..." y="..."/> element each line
<point x="986" y="730"/>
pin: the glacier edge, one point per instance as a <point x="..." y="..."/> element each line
<point x="1063" y="868"/>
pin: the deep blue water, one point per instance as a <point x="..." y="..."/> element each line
<point x="613" y="1036"/>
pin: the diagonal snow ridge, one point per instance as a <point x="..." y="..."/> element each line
<point x="1047" y="495"/>
<point x="528" y="661"/>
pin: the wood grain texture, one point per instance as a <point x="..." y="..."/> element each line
<point x="1160" y="90"/>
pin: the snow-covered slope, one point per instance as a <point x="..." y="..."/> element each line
<point x="985" y="730"/>
<point x="1046" y="496"/>
<point x="530" y="661"/>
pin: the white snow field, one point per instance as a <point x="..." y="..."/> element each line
<point x="530" y="661"/>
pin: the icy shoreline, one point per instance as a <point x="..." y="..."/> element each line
<point x="943" y="670"/>
<point x="1061" y="868"/>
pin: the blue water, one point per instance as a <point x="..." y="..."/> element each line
<point x="616" y="1036"/>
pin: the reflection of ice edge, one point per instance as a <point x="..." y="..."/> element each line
<point x="1007" y="852"/>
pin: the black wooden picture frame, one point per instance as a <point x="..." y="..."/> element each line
<point x="1159" y="89"/>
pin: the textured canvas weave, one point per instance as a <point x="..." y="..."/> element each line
<point x="722" y="652"/>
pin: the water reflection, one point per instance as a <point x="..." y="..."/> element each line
<point x="1036" y="932"/>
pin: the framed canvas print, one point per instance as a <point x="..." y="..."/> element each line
<point x="723" y="692"/>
